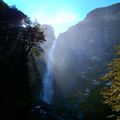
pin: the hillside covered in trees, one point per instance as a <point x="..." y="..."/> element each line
<point x="16" y="42"/>
<point x="69" y="67"/>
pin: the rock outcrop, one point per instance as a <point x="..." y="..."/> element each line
<point x="84" y="50"/>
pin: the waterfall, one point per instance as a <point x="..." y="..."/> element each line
<point x="47" y="92"/>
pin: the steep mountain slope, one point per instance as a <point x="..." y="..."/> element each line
<point x="19" y="78"/>
<point x="15" y="43"/>
<point x="14" y="85"/>
<point x="84" y="50"/>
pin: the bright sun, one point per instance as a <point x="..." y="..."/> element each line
<point x="60" y="21"/>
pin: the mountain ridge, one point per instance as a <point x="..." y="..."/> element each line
<point x="91" y="13"/>
<point x="94" y="37"/>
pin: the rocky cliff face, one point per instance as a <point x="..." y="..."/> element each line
<point x="84" y="50"/>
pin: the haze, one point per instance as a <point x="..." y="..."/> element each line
<point x="61" y="14"/>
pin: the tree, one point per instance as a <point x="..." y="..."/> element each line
<point x="111" y="93"/>
<point x="16" y="41"/>
<point x="33" y="36"/>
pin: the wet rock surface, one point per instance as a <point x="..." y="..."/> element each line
<point x="44" y="111"/>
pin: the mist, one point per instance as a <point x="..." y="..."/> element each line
<point x="82" y="52"/>
<point x="75" y="76"/>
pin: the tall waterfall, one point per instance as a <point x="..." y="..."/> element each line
<point x="47" y="92"/>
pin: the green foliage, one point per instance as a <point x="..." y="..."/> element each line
<point x="31" y="36"/>
<point x="111" y="94"/>
<point x="16" y="42"/>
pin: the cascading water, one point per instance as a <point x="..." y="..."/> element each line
<point x="47" y="92"/>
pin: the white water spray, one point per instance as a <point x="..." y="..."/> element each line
<point x="47" y="92"/>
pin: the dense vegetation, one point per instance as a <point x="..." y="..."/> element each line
<point x="111" y="93"/>
<point x="76" y="70"/>
<point x="16" y="42"/>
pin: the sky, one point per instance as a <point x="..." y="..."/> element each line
<point x="61" y="14"/>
